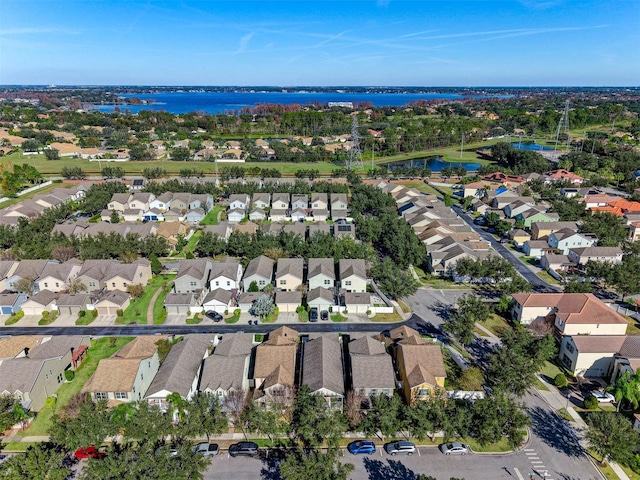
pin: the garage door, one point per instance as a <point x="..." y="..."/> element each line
<point x="65" y="310"/>
<point x="176" y="309"/>
<point x="32" y="310"/>
<point x="106" y="311"/>
<point x="358" y="308"/>
<point x="287" y="308"/>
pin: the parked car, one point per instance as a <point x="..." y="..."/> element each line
<point x="361" y="447"/>
<point x="400" y="448"/>
<point x="206" y="449"/>
<point x="212" y="314"/>
<point x="602" y="396"/>
<point x="247" y="449"/>
<point x="324" y="315"/>
<point x="313" y="314"/>
<point x="88" y="452"/>
<point x="454" y="448"/>
<point x="168" y="450"/>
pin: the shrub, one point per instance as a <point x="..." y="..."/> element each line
<point x="237" y="312"/>
<point x="94" y="313"/>
<point x="300" y="309"/>
<point x="120" y="312"/>
<point x="560" y="380"/>
<point x="50" y="402"/>
<point x="368" y="312"/>
<point x="69" y="375"/>
<point x="82" y="313"/>
<point x="591" y="403"/>
<point x="189" y="256"/>
<point x="226" y="312"/>
<point x="45" y="314"/>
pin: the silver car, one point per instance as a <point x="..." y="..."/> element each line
<point x="603" y="396"/>
<point x="400" y="448"/>
<point x="454" y="448"/>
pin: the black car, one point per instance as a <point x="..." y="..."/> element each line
<point x="324" y="315"/>
<point x="313" y="314"/>
<point x="247" y="449"/>
<point x="212" y="314"/>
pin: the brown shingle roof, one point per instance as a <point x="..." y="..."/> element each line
<point x="322" y="364"/>
<point x="423" y="363"/>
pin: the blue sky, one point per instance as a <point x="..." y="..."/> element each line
<point x="384" y="42"/>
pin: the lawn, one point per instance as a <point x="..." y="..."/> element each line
<point x="495" y="324"/>
<point x="272" y="317"/>
<point x="404" y="307"/>
<point x="338" y="318"/>
<point x="550" y="370"/>
<point x="212" y="217"/>
<point x="86" y="320"/>
<point x="634" y="326"/>
<point x="548" y="278"/>
<point x="101" y="348"/>
<point x="195" y="320"/>
<point x="190" y="246"/>
<point x="136" y="312"/>
<point x="387" y="317"/>
<point x="421" y="187"/>
<point x="235" y="317"/>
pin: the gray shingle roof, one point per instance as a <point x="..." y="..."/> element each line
<point x="19" y="374"/>
<point x="261" y="265"/>
<point x="196" y="268"/>
<point x="321" y="266"/>
<point x="290" y="266"/>
<point x="348" y="267"/>
<point x="322" y="364"/>
<point x="58" y="346"/>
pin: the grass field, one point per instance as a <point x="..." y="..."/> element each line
<point x="495" y="324"/>
<point x="101" y="348"/>
<point x="159" y="313"/>
<point x="387" y="317"/>
<point x="212" y="216"/>
<point x="136" y="312"/>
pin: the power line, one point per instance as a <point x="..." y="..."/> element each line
<point x="354" y="159"/>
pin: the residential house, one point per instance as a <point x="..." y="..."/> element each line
<point x="321" y="272"/>
<point x="590" y="355"/>
<point x="73" y="304"/>
<point x="279" y="215"/>
<point x="535" y="248"/>
<point x="535" y="215"/>
<point x="195" y="216"/>
<point x="180" y="371"/>
<point x="272" y="228"/>
<point x="225" y="275"/>
<point x="226" y="371"/>
<point x="341" y="229"/>
<point x="298" y="215"/>
<point x="279" y="201"/>
<point x="132" y="214"/>
<point x="173" y="215"/>
<point x="353" y="275"/>
<point x="320" y="227"/>
<point x="319" y="214"/>
<point x="222" y="230"/>
<point x="522" y="204"/>
<point x="321" y="298"/>
<point x="180" y="201"/>
<point x="152" y="215"/>
<point x="235" y="215"/>
<point x="246" y="299"/>
<point x="259" y="270"/>
<point x="338" y="206"/>
<point x="43" y="301"/>
<point x="56" y="277"/>
<point x="420" y="364"/>
<point x="261" y="201"/>
<point x="570" y="313"/>
<point x="287" y="301"/>
<point x="7" y="267"/>
<point x="275" y="367"/>
<point x="289" y="273"/>
<point x="32" y="378"/>
<point x="297" y="228"/>
<point x="29" y="270"/>
<point x="372" y="370"/>
<point x="319" y="201"/>
<point x="562" y="175"/>
<point x="582" y="255"/>
<point x="162" y="202"/>
<point x="172" y="232"/>
<point x="140" y="201"/>
<point x="112" y="301"/>
<point x="322" y="369"/>
<point x="257" y="215"/>
<point x="93" y="273"/>
<point x="127" y="374"/>
<point x="193" y="276"/>
<point x="519" y="237"/>
<point x="299" y="201"/>
<point x="122" y="275"/>
<point x="119" y="202"/>
<point x="566" y="239"/>
<point x="11" y="303"/>
<point x="219" y="300"/>
<point x="542" y="230"/>
<point x="179" y="303"/>
<point x="202" y="201"/>
<point x="357" y="302"/>
<point x="555" y="262"/>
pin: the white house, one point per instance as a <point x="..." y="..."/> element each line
<point x="225" y="275"/>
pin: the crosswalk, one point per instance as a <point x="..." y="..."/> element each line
<point x="538" y="468"/>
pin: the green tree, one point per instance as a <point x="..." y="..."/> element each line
<point x="41" y="461"/>
<point x="513" y="366"/>
<point x="7" y="419"/>
<point x="385" y="418"/>
<point x="577" y="285"/>
<point x="314" y="422"/>
<point x="303" y="464"/>
<point x="52" y="153"/>
<point x="627" y="388"/>
<point x="267" y="422"/>
<point x="73" y="173"/>
<point x="263" y="306"/>
<point x="393" y="280"/>
<point x="115" y="217"/>
<point x="156" y="266"/>
<point x="461" y="322"/>
<point x="204" y="416"/>
<point x="497" y="416"/>
<point x="89" y="425"/>
<point x="612" y="436"/>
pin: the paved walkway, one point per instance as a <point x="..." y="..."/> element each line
<point x="557" y="401"/>
<point x="152" y="302"/>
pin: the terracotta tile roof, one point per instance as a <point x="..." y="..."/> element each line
<point x="574" y="308"/>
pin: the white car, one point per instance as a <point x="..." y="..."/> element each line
<point x="603" y="396"/>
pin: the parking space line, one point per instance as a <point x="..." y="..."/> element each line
<point x="418" y="452"/>
<point x="520" y="477"/>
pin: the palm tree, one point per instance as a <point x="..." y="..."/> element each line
<point x="177" y="404"/>
<point x="627" y="387"/>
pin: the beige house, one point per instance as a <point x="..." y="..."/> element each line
<point x="111" y="302"/>
<point x="42" y="301"/>
<point x="56" y="276"/>
<point x="123" y="275"/>
<point x="289" y="273"/>
<point x="288" y="302"/>
<point x="353" y="275"/>
<point x="570" y="313"/>
<point x="540" y="230"/>
<point x="590" y="355"/>
<point x="275" y="366"/>
<point x="371" y="367"/>
<point x="321" y="272"/>
<point x="127" y="374"/>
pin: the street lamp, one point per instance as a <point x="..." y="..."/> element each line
<point x="568" y="397"/>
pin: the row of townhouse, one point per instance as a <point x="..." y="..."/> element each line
<point x="86" y="229"/>
<point x="218" y="285"/>
<point x="281" y="207"/>
<point x="168" y="206"/>
<point x="338" y="229"/>
<point x="266" y="371"/>
<point x="593" y="340"/>
<point x="447" y="237"/>
<point x="34" y="207"/>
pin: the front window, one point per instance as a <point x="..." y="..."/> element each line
<point x="121" y="395"/>
<point x="101" y="395"/>
<point x="348" y="283"/>
<point x="283" y="282"/>
<point x="423" y="392"/>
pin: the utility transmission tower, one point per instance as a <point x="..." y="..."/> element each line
<point x="563" y="125"/>
<point x="354" y="160"/>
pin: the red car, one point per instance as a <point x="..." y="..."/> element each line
<point x="88" y="452"/>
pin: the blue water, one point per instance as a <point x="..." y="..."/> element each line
<point x="221" y="102"/>
<point x="435" y="164"/>
<point x="529" y="146"/>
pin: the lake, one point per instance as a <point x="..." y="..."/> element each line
<point x="434" y="163"/>
<point x="222" y="102"/>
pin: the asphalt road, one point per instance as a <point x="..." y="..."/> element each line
<point x="539" y="285"/>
